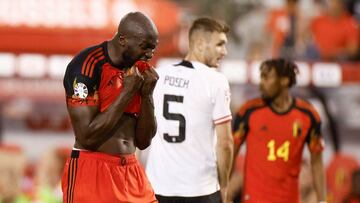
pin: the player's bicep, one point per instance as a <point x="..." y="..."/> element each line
<point x="81" y="90"/>
<point x="81" y="118"/>
<point x="316" y="157"/>
<point x="223" y="132"/>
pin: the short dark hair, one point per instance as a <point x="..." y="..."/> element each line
<point x="208" y="24"/>
<point x="283" y="68"/>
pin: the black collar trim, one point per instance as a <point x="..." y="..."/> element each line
<point x="185" y="63"/>
<point x="268" y="103"/>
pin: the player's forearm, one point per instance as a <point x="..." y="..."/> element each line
<point x="146" y="124"/>
<point x="224" y="151"/>
<point x="318" y="176"/>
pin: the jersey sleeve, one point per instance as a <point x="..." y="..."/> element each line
<point x="81" y="89"/>
<point x="221" y="112"/>
<point x="314" y="137"/>
<point x="241" y="122"/>
<point x="240" y="126"/>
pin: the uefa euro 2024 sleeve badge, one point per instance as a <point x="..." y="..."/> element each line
<point x="80" y="90"/>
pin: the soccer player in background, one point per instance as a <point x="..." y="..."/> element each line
<point x="111" y="109"/>
<point x="276" y="128"/>
<point x="192" y="101"/>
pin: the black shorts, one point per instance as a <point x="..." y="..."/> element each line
<point x="212" y="198"/>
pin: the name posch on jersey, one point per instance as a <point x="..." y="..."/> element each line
<point x="176" y="82"/>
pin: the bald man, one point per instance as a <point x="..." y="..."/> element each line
<point x="111" y="109"/>
<point x="192" y="101"/>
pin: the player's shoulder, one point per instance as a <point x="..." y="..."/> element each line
<point x="173" y="66"/>
<point x="212" y="74"/>
<point x="306" y="107"/>
<point x="251" y="105"/>
<point x="202" y="68"/>
<point x="85" y="59"/>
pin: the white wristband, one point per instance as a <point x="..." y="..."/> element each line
<point x="322" y="202"/>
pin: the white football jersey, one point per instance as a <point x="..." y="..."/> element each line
<point x="190" y="99"/>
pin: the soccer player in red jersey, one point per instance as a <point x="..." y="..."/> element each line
<point x="276" y="128"/>
<point x="109" y="100"/>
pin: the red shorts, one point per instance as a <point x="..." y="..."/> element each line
<point x="97" y="177"/>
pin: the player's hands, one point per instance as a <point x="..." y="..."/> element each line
<point x="150" y="79"/>
<point x="133" y="80"/>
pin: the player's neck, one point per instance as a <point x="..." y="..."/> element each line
<point x="282" y="102"/>
<point x="194" y="56"/>
<point x="115" y="54"/>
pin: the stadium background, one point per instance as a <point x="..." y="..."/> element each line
<point x="39" y="37"/>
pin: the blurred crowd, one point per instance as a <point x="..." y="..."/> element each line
<point x="331" y="35"/>
<point x="320" y="30"/>
<point x="25" y="181"/>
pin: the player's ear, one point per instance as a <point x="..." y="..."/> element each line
<point x="200" y="45"/>
<point x="122" y="40"/>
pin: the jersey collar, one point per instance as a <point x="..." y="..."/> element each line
<point x="186" y="64"/>
<point x="268" y="103"/>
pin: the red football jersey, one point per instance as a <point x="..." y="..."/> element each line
<point x="91" y="79"/>
<point x="274" y="147"/>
